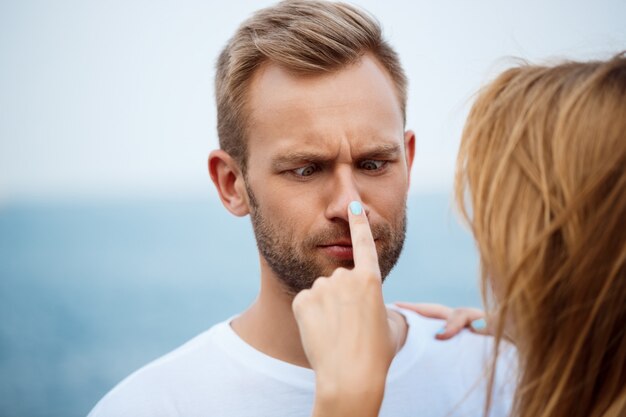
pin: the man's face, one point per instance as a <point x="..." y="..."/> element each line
<point x="315" y="143"/>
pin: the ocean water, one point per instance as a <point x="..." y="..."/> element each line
<point x="89" y="292"/>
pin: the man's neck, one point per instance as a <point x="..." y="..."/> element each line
<point x="270" y="327"/>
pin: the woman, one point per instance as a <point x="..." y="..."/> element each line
<point x="541" y="180"/>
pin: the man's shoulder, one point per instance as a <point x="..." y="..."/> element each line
<point x="455" y="371"/>
<point x="467" y="352"/>
<point x="425" y="329"/>
<point x="146" y="392"/>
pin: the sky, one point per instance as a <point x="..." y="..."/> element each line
<point x="114" y="99"/>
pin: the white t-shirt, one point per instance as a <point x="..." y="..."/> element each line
<point x="218" y="374"/>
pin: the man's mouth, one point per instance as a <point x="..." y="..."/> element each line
<point x="343" y="242"/>
<point x="338" y="250"/>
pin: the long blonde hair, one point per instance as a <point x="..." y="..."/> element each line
<point x="541" y="179"/>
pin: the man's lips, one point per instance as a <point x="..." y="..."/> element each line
<point x="341" y="249"/>
<point x="343" y="242"/>
<point x="338" y="250"/>
<point x="347" y="242"/>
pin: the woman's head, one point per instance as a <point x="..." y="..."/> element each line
<point x="543" y="165"/>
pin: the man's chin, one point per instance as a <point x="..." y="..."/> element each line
<point x="324" y="269"/>
<point x="331" y="265"/>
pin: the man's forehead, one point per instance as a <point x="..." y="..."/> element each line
<point x="350" y="113"/>
<point x="365" y="84"/>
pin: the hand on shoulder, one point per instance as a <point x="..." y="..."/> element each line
<point x="456" y="319"/>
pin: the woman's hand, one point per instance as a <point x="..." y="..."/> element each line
<point x="345" y="330"/>
<point x="456" y="318"/>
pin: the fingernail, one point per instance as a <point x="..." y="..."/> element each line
<point x="479" y="324"/>
<point x="356" y="208"/>
<point x="441" y="331"/>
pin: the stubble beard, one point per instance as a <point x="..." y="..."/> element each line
<point x="295" y="269"/>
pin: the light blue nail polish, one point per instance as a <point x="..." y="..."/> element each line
<point x="356" y="208"/>
<point x="479" y="324"/>
<point x="441" y="331"/>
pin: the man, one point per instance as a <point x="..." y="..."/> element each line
<point x="311" y="113"/>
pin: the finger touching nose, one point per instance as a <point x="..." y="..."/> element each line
<point x="363" y="246"/>
<point x="340" y="193"/>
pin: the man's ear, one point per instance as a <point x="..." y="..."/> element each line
<point x="229" y="182"/>
<point x="409" y="150"/>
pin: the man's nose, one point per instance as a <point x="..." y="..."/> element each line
<point x="342" y="190"/>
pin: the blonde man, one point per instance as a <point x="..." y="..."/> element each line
<point x="311" y="115"/>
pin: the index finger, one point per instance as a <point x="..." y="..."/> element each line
<point x="363" y="246"/>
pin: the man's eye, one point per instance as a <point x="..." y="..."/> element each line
<point x="305" y="171"/>
<point x="372" y="165"/>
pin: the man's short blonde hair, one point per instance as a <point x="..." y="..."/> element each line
<point x="304" y="37"/>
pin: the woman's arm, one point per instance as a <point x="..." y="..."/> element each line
<point x="346" y="333"/>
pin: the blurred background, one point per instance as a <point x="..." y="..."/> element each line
<point x="114" y="248"/>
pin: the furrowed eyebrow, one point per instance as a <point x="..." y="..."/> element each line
<point x="291" y="157"/>
<point x="389" y="151"/>
<point x="384" y="151"/>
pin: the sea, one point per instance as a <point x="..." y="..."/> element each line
<point x="92" y="290"/>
